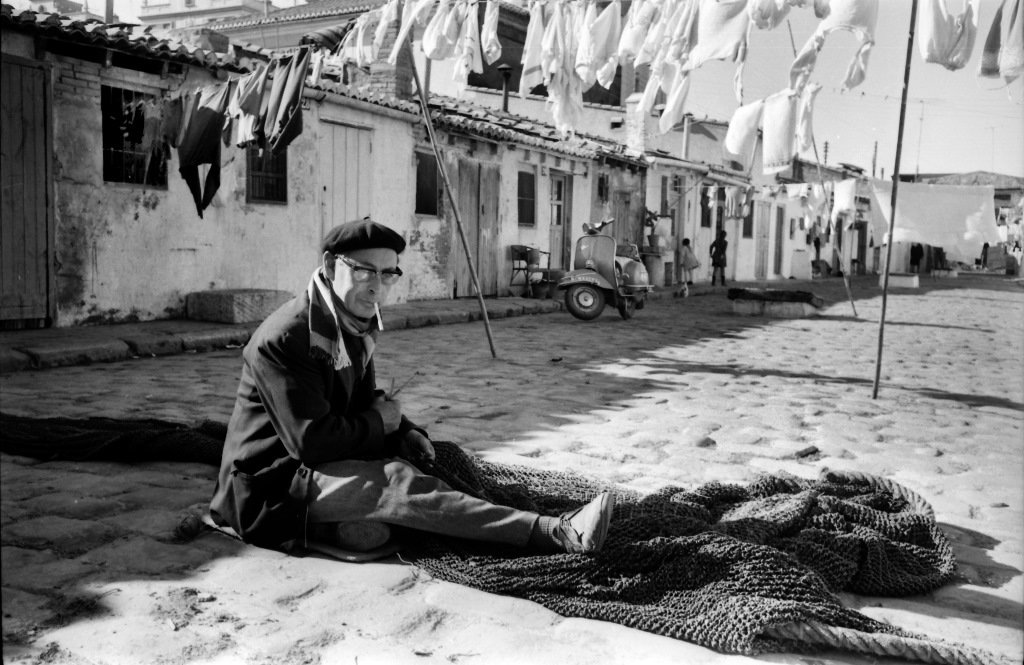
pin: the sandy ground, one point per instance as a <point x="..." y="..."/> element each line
<point x="685" y="393"/>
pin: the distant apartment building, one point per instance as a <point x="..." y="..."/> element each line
<point x="77" y="11"/>
<point x="185" y="15"/>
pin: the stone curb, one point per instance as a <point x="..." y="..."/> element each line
<point x="64" y="347"/>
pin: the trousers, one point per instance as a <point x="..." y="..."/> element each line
<point x="394" y="492"/>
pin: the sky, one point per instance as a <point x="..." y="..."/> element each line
<point x="956" y="122"/>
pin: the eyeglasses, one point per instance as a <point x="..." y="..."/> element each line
<point x="364" y="274"/>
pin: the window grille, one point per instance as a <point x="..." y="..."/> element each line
<point x="266" y="176"/>
<point x="527" y="199"/>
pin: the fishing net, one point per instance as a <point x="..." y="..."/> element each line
<point x="736" y="568"/>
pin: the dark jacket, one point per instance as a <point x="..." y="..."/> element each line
<point x="292" y="412"/>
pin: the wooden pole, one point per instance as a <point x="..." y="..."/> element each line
<point x="892" y="200"/>
<point x="821" y="180"/>
<point x="429" y="122"/>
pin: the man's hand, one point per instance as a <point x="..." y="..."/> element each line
<point x="416" y="448"/>
<point x="390" y="411"/>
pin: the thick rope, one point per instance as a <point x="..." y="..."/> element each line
<point x="879" y="483"/>
<point x="880" y="644"/>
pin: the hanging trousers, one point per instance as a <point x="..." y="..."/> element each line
<point x="395" y="492"/>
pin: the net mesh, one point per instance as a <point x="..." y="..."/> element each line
<point x="721" y="565"/>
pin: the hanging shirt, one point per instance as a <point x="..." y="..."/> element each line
<point x="779" y="144"/>
<point x="201" y="143"/>
<point x="856" y="16"/>
<point x="741" y="137"/>
<point x="532" y="75"/>
<point x="1003" y="52"/>
<point x="768" y="14"/>
<point x="489" y="32"/>
<point x="468" y="57"/>
<point x="947" y="39"/>
<point x="675" y="103"/>
<point x="244" y="106"/>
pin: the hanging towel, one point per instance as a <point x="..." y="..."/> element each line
<point x="388" y="15"/>
<point x="1003" y="52"/>
<point x="741" y="138"/>
<point x="779" y="143"/>
<point x="805" y="119"/>
<point x="353" y="47"/>
<point x="289" y="116"/>
<point x="467" y="51"/>
<point x="735" y="198"/>
<point x="435" y="42"/>
<point x="946" y="39"/>
<point x="415" y="14"/>
<point x="585" y="54"/>
<point x="638" y="20"/>
<point x="856" y="16"/>
<point x="597" y="56"/>
<point x="844" y="200"/>
<point x="768" y="14"/>
<point x="489" y="33"/>
<point x="532" y="75"/>
<point x="201" y="144"/>
<point x="675" y="102"/>
<point x="722" y="30"/>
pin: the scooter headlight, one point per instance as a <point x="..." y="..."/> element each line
<point x="590" y="264"/>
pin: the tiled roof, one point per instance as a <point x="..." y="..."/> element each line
<point x="495" y="124"/>
<point x="996" y="180"/>
<point x="322" y="9"/>
<point x="123" y="37"/>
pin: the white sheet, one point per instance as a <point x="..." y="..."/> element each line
<point x="956" y="218"/>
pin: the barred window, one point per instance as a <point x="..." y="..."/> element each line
<point x="267" y="176"/>
<point x="131" y="153"/>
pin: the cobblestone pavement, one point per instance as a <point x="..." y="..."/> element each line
<point x="685" y="393"/>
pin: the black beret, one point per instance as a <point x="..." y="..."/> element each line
<point x="362" y="234"/>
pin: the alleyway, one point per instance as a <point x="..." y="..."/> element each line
<point x="685" y="393"/>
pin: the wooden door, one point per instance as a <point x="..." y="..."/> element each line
<point x="490" y="256"/>
<point x="345" y="170"/>
<point x="762" y="222"/>
<point x="558" y="233"/>
<point x="26" y="219"/>
<point x="780" y="234"/>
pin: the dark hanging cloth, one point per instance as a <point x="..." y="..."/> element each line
<point x="288" y="123"/>
<point x="200" y="143"/>
<point x="272" y="100"/>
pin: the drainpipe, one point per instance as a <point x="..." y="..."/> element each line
<point x="506" y="72"/>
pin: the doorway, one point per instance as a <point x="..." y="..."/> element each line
<point x="561" y="220"/>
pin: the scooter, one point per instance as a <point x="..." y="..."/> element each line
<point x="604" y="272"/>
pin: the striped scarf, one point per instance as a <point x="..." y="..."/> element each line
<point x="328" y="319"/>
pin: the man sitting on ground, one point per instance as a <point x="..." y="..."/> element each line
<point x="314" y="452"/>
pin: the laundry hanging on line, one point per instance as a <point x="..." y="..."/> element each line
<point x="944" y="38"/>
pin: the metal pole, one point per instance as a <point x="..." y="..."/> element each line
<point x="451" y="196"/>
<point x="892" y="200"/>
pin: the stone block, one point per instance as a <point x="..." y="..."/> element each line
<point x="76" y="352"/>
<point x="901" y="280"/>
<point x="234" y="305"/>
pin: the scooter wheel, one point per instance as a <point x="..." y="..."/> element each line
<point x="584" y="301"/>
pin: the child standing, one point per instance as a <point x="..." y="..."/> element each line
<point x="688" y="261"/>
